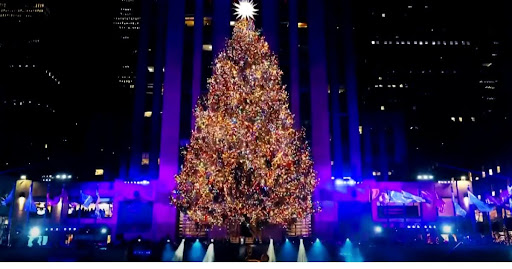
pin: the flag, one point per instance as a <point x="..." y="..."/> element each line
<point x="85" y="199"/>
<point x="493" y="200"/>
<point x="398" y="197"/>
<point x="413" y="197"/>
<point x="439" y="203"/>
<point x="482" y="207"/>
<point x="54" y="201"/>
<point x="429" y="198"/>
<point x="458" y="209"/>
<point x="30" y="206"/>
<point x="9" y="198"/>
<point x="405" y="197"/>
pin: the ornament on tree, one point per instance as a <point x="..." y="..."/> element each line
<point x="245" y="162"/>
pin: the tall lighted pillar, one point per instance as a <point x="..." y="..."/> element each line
<point x="294" y="83"/>
<point x="221" y="30"/>
<point x="351" y="87"/>
<point x="140" y="93"/>
<point x="164" y="215"/>
<point x="198" y="53"/>
<point x="324" y="222"/>
<point x="271" y="23"/>
<point x="156" y="117"/>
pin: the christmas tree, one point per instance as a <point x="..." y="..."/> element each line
<point x="245" y="162"/>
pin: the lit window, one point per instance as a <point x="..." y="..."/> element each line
<point x="381" y="107"/>
<point x="151" y="69"/>
<point x="232" y="23"/>
<point x="383" y="15"/>
<point x="302" y="25"/>
<point x="189" y="21"/>
<point x="207" y="47"/>
<point x="453" y="119"/>
<point x="360" y="129"/>
<point x="380" y="78"/>
<point x="45" y="146"/>
<point x="373" y="42"/>
<point x="490" y="172"/>
<point x="473" y="119"/>
<point x="98" y="172"/>
<point x="148" y="114"/>
<point x="415" y="42"/>
<point x="498" y="169"/>
<point x="421" y="42"/>
<point x="460" y="119"/>
<point x="145" y="158"/>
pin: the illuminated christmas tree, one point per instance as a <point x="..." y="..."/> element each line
<point x="245" y="161"/>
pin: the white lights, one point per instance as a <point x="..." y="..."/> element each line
<point x="345" y="181"/>
<point x="35" y="232"/>
<point x="104" y="230"/>
<point x="23" y="177"/>
<point x="63" y="176"/>
<point x="377" y="229"/>
<point x="447" y="229"/>
<point x="425" y="177"/>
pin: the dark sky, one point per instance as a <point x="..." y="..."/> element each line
<point x="80" y="48"/>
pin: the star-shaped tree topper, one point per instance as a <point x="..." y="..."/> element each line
<point x="244" y="9"/>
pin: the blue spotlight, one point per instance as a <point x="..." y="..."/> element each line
<point x="103" y="230"/>
<point x="196" y="252"/>
<point x="318" y="252"/>
<point x="288" y="252"/>
<point x="377" y="229"/>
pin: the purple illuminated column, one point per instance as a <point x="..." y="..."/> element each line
<point x="337" y="153"/>
<point x="351" y="86"/>
<point x="294" y="63"/>
<point x="197" y="61"/>
<point x="221" y="30"/>
<point x="270" y="24"/>
<point x="156" y="118"/>
<point x="324" y="222"/>
<point x="140" y="93"/>
<point x="164" y="215"/>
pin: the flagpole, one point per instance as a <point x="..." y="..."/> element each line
<point x="29" y="199"/>
<point x="79" y="208"/>
<point x="96" y="207"/>
<point x="11" y="209"/>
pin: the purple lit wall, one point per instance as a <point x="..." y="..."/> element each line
<point x="164" y="215"/>
<point x="197" y="58"/>
<point x="294" y="63"/>
<point x="324" y="222"/>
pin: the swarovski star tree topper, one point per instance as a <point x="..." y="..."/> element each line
<point x="244" y="9"/>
